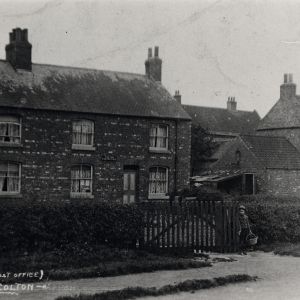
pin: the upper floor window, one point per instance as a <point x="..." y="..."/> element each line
<point x="158" y="182"/>
<point x="159" y="136"/>
<point x="83" y="133"/>
<point x="10" y="129"/>
<point x="10" y="178"/>
<point x="81" y="180"/>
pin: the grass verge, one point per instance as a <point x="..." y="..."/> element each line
<point x="102" y="262"/>
<point x="288" y="249"/>
<point x="129" y="267"/>
<point x="185" y="286"/>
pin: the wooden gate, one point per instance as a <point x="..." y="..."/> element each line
<point x="201" y="225"/>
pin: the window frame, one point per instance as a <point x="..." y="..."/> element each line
<point x="82" y="194"/>
<point x="7" y="193"/>
<point x="159" y="149"/>
<point x="19" y="137"/>
<point x="83" y="146"/>
<point x="159" y="195"/>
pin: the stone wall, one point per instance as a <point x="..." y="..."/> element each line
<point x="282" y="182"/>
<point x="46" y="154"/>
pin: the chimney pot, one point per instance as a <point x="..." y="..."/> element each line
<point x="156" y="51"/>
<point x="18" y="51"/>
<point x="231" y="104"/>
<point x="288" y="88"/>
<point x="177" y="96"/>
<point x="25" y="35"/>
<point x="153" y="65"/>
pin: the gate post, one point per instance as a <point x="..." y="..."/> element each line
<point x="219" y="227"/>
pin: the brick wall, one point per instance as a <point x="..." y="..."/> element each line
<point x="46" y="154"/>
<point x="183" y="154"/>
<point x="271" y="181"/>
<point x="282" y="182"/>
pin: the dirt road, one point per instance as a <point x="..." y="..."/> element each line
<point x="279" y="280"/>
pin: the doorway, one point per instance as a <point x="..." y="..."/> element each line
<point x="249" y="184"/>
<point x="130" y="183"/>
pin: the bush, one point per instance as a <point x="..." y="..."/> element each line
<point x="202" y="193"/>
<point x="274" y="219"/>
<point x="76" y="226"/>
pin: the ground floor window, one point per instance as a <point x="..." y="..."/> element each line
<point x="10" y="179"/>
<point x="81" y="180"/>
<point x="158" y="182"/>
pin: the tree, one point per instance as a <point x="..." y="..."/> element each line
<point x="201" y="146"/>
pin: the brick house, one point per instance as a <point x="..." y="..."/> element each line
<point x="69" y="132"/>
<point x="284" y="117"/>
<point x="223" y="124"/>
<point x="258" y="164"/>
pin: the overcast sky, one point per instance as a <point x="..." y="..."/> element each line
<point x="210" y="49"/>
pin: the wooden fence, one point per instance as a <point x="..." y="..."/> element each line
<point x="201" y="225"/>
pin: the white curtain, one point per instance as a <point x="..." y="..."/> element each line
<point x="83" y="132"/>
<point x="3" y="177"/>
<point x="153" y="135"/>
<point x="158" y="181"/>
<point x="81" y="179"/>
<point x="9" y="177"/>
<point x="158" y="136"/>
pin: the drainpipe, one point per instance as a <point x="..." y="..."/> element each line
<point x="176" y="157"/>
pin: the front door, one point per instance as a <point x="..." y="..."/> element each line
<point x="129" y="186"/>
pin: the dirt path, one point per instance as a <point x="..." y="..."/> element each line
<point x="279" y="280"/>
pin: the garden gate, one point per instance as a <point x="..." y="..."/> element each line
<point x="201" y="225"/>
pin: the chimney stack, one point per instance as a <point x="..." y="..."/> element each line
<point x="18" y="51"/>
<point x="177" y="96"/>
<point x="231" y="104"/>
<point x="153" y="65"/>
<point x="288" y="88"/>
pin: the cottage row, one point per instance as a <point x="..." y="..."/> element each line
<point x="69" y="132"/>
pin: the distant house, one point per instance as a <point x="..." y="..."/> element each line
<point x="284" y="117"/>
<point x="224" y="125"/>
<point x="257" y="164"/>
<point x="69" y="132"/>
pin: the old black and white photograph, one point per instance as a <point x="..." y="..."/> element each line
<point x="149" y="149"/>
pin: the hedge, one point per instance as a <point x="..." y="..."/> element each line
<point x="274" y="219"/>
<point x="45" y="226"/>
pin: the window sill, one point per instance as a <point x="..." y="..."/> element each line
<point x="11" y="145"/>
<point x="158" y="197"/>
<point x="83" y="147"/>
<point x="11" y="195"/>
<point x="81" y="196"/>
<point x="159" y="150"/>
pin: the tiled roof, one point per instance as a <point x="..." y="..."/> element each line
<point x="61" y="88"/>
<point x="273" y="152"/>
<point x="284" y="114"/>
<point x="220" y="120"/>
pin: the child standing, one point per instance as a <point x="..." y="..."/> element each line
<point x="243" y="229"/>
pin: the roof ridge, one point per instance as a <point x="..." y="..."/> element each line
<point x="81" y="68"/>
<point x="221" y="108"/>
<point x="264" y="136"/>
